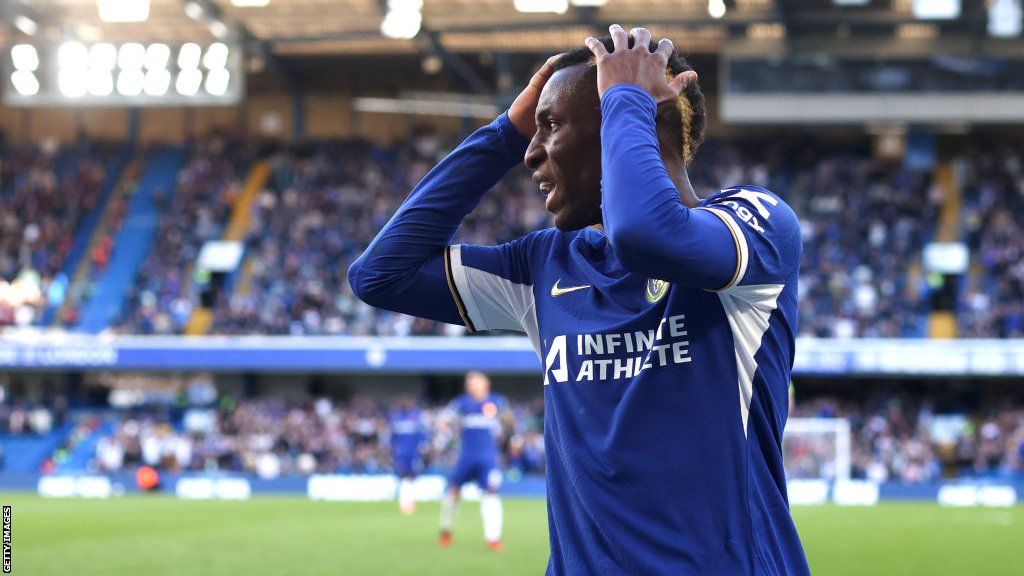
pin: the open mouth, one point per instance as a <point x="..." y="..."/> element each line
<point x="549" y="189"/>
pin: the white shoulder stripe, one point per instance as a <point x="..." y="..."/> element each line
<point x="465" y="290"/>
<point x="742" y="252"/>
<point x="493" y="302"/>
<point x="749" y="310"/>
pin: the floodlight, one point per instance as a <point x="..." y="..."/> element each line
<point x="72" y="55"/>
<point x="401" y="23"/>
<point x="217" y="81"/>
<point x="1005" y="18"/>
<point x="716" y="8"/>
<point x="158" y="80"/>
<point x="188" y="56"/>
<point x="131" y="56"/>
<point x="24" y="57"/>
<point x="936" y="9"/>
<point x="71" y="82"/>
<point x="26" y="25"/>
<point x="25" y="82"/>
<point x="123" y="10"/>
<point x="555" y="6"/>
<point x="102" y="56"/>
<point x="101" y="82"/>
<point x="216" y="56"/>
<point x="188" y="82"/>
<point x="130" y="82"/>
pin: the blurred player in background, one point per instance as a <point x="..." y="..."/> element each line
<point x="665" y="322"/>
<point x="408" y="433"/>
<point x="479" y="413"/>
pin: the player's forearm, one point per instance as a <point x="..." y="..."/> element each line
<point x="402" y="269"/>
<point x="649" y="228"/>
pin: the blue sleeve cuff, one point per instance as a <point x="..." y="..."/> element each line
<point x="513" y="140"/>
<point x="629" y="93"/>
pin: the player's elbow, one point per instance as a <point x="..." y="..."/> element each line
<point x="367" y="284"/>
<point x="636" y="249"/>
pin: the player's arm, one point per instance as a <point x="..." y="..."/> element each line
<point x="403" y="269"/>
<point x="409" y="267"/>
<point x="651" y="231"/>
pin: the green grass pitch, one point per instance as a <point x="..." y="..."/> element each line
<point x="269" y="536"/>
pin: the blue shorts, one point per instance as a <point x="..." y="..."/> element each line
<point x="407" y="465"/>
<point x="484" y="472"/>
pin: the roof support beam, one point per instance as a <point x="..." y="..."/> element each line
<point x="432" y="41"/>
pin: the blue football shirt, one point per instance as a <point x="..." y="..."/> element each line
<point x="407" y="432"/>
<point x="666" y="343"/>
<point x="664" y="404"/>
<point x="480" y="425"/>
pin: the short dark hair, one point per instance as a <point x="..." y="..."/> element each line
<point x="690" y="114"/>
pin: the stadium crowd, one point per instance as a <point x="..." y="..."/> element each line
<point x="895" y="437"/>
<point x="864" y="219"/>
<point x="904" y="438"/>
<point x="324" y="203"/>
<point x="164" y="294"/>
<point x="993" y="301"/>
<point x="271" y="438"/>
<point x="320" y="211"/>
<point x="864" y="222"/>
<point x="23" y="418"/>
<point x="46" y="193"/>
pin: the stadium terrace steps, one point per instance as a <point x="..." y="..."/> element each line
<point x="81" y="275"/>
<point x="84" y="235"/>
<point x="952" y="203"/>
<point x="134" y="239"/>
<point x="199" y="322"/>
<point x="944" y="324"/>
<point x="244" y="285"/>
<point x="25" y="453"/>
<point x="241" y="215"/>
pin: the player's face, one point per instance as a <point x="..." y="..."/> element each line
<point x="565" y="153"/>
<point x="477" y="386"/>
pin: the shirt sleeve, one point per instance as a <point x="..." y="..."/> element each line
<point x="765" y="231"/>
<point x="403" y="269"/>
<point x="492" y="285"/>
<point x="652" y="232"/>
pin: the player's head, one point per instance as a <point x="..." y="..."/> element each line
<point x="565" y="153"/>
<point x="478" y="385"/>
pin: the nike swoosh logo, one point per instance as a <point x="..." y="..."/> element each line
<point x="556" y="291"/>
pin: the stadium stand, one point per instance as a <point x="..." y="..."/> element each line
<point x="271" y="437"/>
<point x="197" y="209"/>
<point x="897" y="437"/>
<point x="50" y="195"/>
<point x="324" y="201"/>
<point x="865" y="222"/>
<point x="993" y="301"/>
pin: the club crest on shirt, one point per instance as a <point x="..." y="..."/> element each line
<point x="656" y="289"/>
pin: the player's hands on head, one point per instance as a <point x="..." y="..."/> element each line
<point x="522" y="110"/>
<point x="637" y="65"/>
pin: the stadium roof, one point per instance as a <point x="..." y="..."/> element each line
<point x="340" y="27"/>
